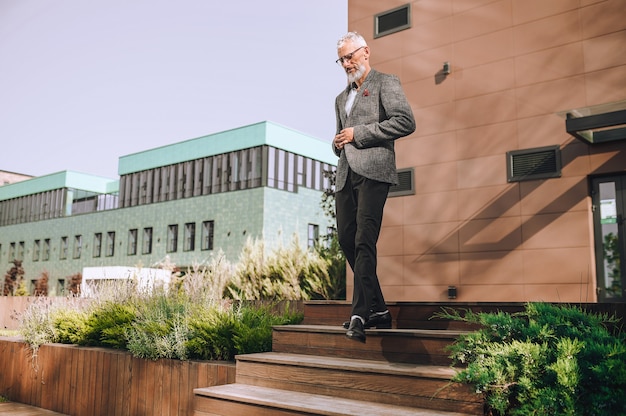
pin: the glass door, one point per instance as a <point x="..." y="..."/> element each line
<point x="609" y="202"/>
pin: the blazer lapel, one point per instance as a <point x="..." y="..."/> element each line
<point x="341" y="103"/>
<point x="370" y="79"/>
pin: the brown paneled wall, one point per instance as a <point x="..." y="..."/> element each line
<point x="515" y="65"/>
<point x="95" y="381"/>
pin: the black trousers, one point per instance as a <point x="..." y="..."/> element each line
<point x="359" y="216"/>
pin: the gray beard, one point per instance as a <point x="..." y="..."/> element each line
<point x="355" y="76"/>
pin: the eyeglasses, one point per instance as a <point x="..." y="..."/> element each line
<point x="348" y="57"/>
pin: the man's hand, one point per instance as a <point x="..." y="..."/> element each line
<point x="344" y="137"/>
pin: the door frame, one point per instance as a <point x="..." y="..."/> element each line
<point x="607" y="212"/>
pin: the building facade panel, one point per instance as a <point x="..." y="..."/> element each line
<point x="517" y="68"/>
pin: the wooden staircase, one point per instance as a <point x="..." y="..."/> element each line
<point x="314" y="369"/>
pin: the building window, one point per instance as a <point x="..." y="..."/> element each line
<point x="288" y="171"/>
<point x="147" y="241"/>
<point x="392" y="21"/>
<point x="132" y="242"/>
<point x="190" y="236"/>
<point x="20" y="251"/>
<point x="78" y="246"/>
<point x="45" y="255"/>
<point x="11" y="252"/>
<point x="172" y="238"/>
<point x="63" y="248"/>
<point x="97" y="244"/>
<point x="110" y="243"/>
<point x="313" y="236"/>
<point x="60" y="287"/>
<point x="36" y="250"/>
<point x="207" y="235"/>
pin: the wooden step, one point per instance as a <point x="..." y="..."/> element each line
<point x="411" y="385"/>
<point x="244" y="400"/>
<point x="406" y="315"/>
<point x="418" y="346"/>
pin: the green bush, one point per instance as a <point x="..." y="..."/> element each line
<point x="107" y="325"/>
<point x="253" y="332"/>
<point x="159" y="325"/>
<point x="193" y="317"/>
<point x="220" y="334"/>
<point x="211" y="335"/>
<point x="547" y="360"/>
<point x="69" y="325"/>
<point x="290" y="273"/>
<point x="333" y="285"/>
<point x="159" y="329"/>
<point x="35" y="324"/>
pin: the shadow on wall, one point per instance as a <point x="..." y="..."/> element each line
<point x="476" y="234"/>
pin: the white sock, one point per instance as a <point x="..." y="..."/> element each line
<point x="357" y="316"/>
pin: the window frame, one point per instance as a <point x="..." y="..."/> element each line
<point x="97" y="245"/>
<point x="63" y="248"/>
<point x="377" y="17"/>
<point x="189" y="236"/>
<point x="110" y="247"/>
<point x="172" y="238"/>
<point x="146" y="246"/>
<point x="208" y="235"/>
<point x="78" y="246"/>
<point x="132" y="242"/>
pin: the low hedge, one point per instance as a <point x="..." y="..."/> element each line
<point x="547" y="360"/>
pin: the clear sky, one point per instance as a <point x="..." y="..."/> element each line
<point x="83" y="82"/>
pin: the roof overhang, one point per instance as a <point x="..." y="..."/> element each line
<point x="597" y="124"/>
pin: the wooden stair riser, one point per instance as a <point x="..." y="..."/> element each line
<point x="405" y="315"/>
<point x="209" y="406"/>
<point x="379" y="346"/>
<point x="428" y="393"/>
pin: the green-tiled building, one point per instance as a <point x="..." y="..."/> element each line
<point x="186" y="201"/>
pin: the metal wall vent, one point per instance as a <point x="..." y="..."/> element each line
<point x="406" y="183"/>
<point x="392" y="21"/>
<point x="538" y="163"/>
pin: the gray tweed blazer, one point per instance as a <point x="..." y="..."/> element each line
<point x="380" y="114"/>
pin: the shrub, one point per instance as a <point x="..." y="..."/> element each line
<point x="74" y="282"/>
<point x="548" y="360"/>
<point x="14" y="280"/>
<point x="254" y="329"/>
<point x="35" y="324"/>
<point x="222" y="333"/>
<point x="70" y="325"/>
<point x="190" y="318"/>
<point x="290" y="273"/>
<point x="157" y="325"/>
<point x="41" y="285"/>
<point x="334" y="285"/>
<point x="106" y="326"/>
<point x="204" y="282"/>
<point x="211" y="335"/>
<point x="159" y="329"/>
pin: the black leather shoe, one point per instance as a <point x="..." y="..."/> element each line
<point x="375" y="320"/>
<point x="356" y="330"/>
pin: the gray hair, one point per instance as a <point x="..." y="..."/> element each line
<point x="353" y="37"/>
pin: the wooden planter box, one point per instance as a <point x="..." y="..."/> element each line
<point x="86" y="381"/>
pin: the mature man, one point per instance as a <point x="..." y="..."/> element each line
<point x="371" y="113"/>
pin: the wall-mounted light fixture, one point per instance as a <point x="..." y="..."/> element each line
<point x="451" y="292"/>
<point x="446" y="68"/>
